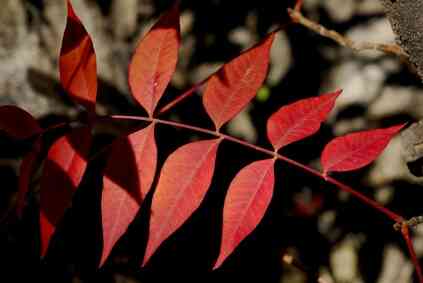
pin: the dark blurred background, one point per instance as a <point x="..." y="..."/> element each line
<point x="328" y="232"/>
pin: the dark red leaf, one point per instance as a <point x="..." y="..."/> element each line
<point x="183" y="183"/>
<point x="127" y="178"/>
<point x="154" y="61"/>
<point x="63" y="170"/>
<point x="356" y="150"/>
<point x="299" y="120"/>
<point x="27" y="168"/>
<point x="237" y="82"/>
<point x="77" y="64"/>
<point x="17" y="123"/>
<point x="246" y="202"/>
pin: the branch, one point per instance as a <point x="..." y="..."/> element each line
<point x="288" y="259"/>
<point x="363" y="198"/>
<point x="390" y="214"/>
<point x="392" y="49"/>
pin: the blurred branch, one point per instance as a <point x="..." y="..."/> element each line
<point x="412" y="222"/>
<point x="288" y="259"/>
<point x="393" y="49"/>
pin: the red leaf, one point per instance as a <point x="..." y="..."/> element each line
<point x="77" y="64"/>
<point x="128" y="176"/>
<point x="299" y="120"/>
<point x="246" y="202"/>
<point x="27" y="168"/>
<point x="17" y="123"/>
<point x="356" y="150"/>
<point x="183" y="183"/>
<point x="154" y="61"/>
<point x="63" y="170"/>
<point x="237" y="82"/>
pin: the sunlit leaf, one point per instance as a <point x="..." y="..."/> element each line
<point x="356" y="150"/>
<point x="183" y="183"/>
<point x="299" y="120"/>
<point x="237" y="82"/>
<point x="127" y="179"/>
<point x="154" y="61"/>
<point x="63" y="170"/>
<point x="77" y="62"/>
<point x="246" y="202"/>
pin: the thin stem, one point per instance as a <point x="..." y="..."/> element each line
<point x="298" y="5"/>
<point x="166" y="122"/>
<point x="292" y="261"/>
<point x="392" y="215"/>
<point x="406" y="235"/>
<point x="184" y="95"/>
<point x="191" y="90"/>
<point x="394" y="49"/>
<point x="56" y="126"/>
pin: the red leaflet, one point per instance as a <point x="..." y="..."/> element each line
<point x="17" y="123"/>
<point x="237" y="82"/>
<point x="127" y="179"/>
<point x="356" y="150"/>
<point x="63" y="170"/>
<point x="299" y="120"/>
<point x="183" y="183"/>
<point x="77" y="64"/>
<point x="27" y="168"/>
<point x="154" y="61"/>
<point x="248" y="197"/>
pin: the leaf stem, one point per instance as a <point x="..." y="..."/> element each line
<point x="184" y="95"/>
<point x="390" y="214"/>
<point x="366" y="200"/>
<point x="406" y="235"/>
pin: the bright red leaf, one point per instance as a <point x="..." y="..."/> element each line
<point x="17" y="123"/>
<point x="356" y="150"/>
<point x="77" y="63"/>
<point x="183" y="183"/>
<point x="27" y="168"/>
<point x="154" y="61"/>
<point x="246" y="202"/>
<point x="128" y="176"/>
<point x="237" y="82"/>
<point x="299" y="120"/>
<point x="63" y="170"/>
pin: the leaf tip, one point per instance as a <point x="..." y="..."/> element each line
<point x="145" y="260"/>
<point x="219" y="262"/>
<point x="338" y="92"/>
<point x="334" y="95"/>
<point x="399" y="127"/>
<point x="268" y="41"/>
<point x="149" y="251"/>
<point x="102" y="260"/>
<point x="71" y="11"/>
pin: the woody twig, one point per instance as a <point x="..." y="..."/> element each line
<point x="393" y="49"/>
